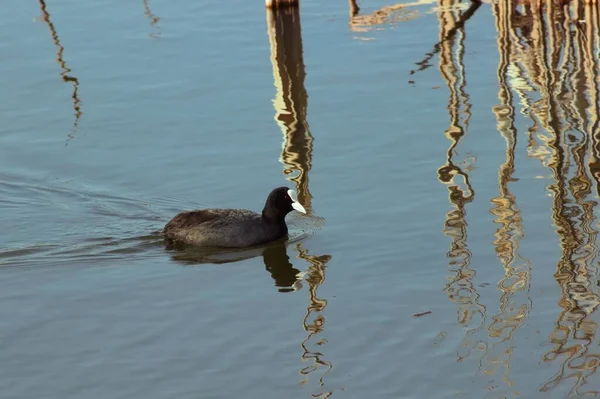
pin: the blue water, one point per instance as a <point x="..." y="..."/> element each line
<point x="450" y="246"/>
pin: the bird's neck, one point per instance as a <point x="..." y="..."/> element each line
<point x="271" y="217"/>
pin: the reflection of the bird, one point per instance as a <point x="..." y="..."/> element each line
<point x="291" y="102"/>
<point x="277" y="262"/>
<point x="460" y="288"/>
<point x="548" y="51"/>
<point x="63" y="65"/>
<point x="153" y="19"/>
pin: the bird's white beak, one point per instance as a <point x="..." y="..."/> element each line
<point x="295" y="204"/>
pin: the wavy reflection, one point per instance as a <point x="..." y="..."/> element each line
<point x="548" y="69"/>
<point x="291" y="102"/>
<point x="447" y="34"/>
<point x="460" y="288"/>
<point x="153" y="19"/>
<point x="388" y="15"/>
<point x="314" y="323"/>
<point x="550" y="62"/>
<point x="493" y="345"/>
<point x="277" y="262"/>
<point x="515" y="300"/>
<point x="63" y="65"/>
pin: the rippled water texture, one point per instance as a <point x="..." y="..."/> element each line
<point x="447" y="154"/>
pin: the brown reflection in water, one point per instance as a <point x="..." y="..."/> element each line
<point x="388" y="15"/>
<point x="354" y="8"/>
<point x="460" y="288"/>
<point x="515" y="300"/>
<point x="63" y="65"/>
<point x="290" y="105"/>
<point x="448" y="34"/>
<point x="291" y="100"/>
<point x="314" y="321"/>
<point x="153" y="19"/>
<point x="553" y="55"/>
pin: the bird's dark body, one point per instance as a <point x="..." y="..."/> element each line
<point x="233" y="228"/>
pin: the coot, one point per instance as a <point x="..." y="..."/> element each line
<point x="235" y="228"/>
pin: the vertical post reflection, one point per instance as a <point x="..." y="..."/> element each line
<point x="556" y="56"/>
<point x="460" y="288"/>
<point x="353" y="7"/>
<point x="514" y="308"/>
<point x="546" y="51"/>
<point x="314" y="322"/>
<point x="575" y="332"/>
<point x="449" y="32"/>
<point x="291" y="115"/>
<point x="291" y="100"/>
<point x="64" y="74"/>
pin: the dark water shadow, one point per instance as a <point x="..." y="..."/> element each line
<point x="277" y="262"/>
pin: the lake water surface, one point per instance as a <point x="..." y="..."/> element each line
<point x="448" y="154"/>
